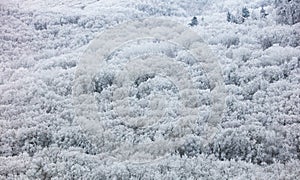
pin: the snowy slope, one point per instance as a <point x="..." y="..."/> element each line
<point x="42" y="43"/>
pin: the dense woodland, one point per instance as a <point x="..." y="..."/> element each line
<point x="256" y="43"/>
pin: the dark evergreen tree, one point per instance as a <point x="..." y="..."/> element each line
<point x="229" y="17"/>
<point x="245" y="12"/>
<point x="194" y="21"/>
<point x="263" y="13"/>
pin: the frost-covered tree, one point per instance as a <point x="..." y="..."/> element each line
<point x="266" y="42"/>
<point x="263" y="13"/>
<point x="237" y="18"/>
<point x="288" y="11"/>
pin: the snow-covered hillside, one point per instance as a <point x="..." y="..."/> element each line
<point x="43" y="44"/>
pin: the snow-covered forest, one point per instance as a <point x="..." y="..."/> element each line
<point x="148" y="108"/>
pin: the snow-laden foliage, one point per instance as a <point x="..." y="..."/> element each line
<point x="288" y="11"/>
<point x="258" y="135"/>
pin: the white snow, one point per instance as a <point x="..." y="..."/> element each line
<point x="158" y="128"/>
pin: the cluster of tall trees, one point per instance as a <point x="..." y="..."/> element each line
<point x="241" y="16"/>
<point x="288" y="11"/>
